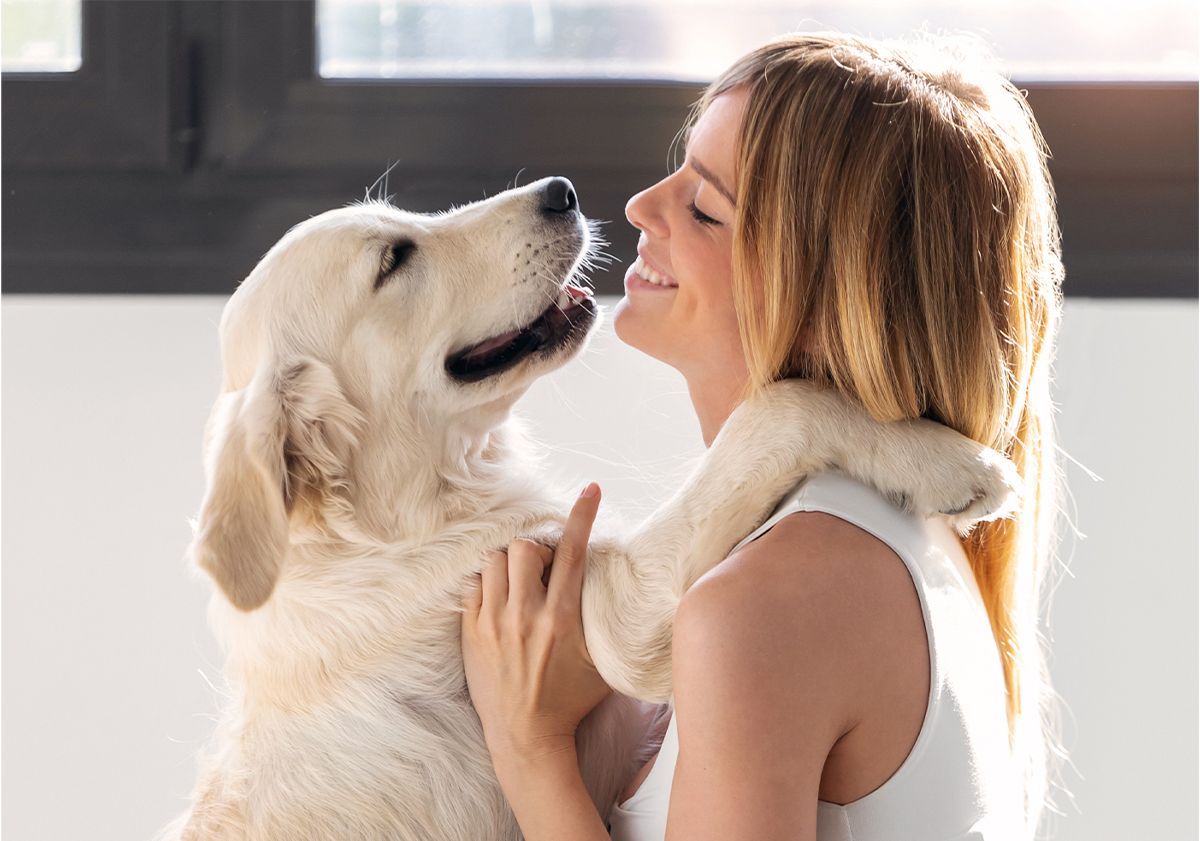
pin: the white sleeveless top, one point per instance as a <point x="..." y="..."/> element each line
<point x="957" y="782"/>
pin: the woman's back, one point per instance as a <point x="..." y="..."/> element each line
<point x="956" y="783"/>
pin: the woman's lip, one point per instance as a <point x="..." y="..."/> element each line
<point x="655" y="266"/>
<point x="634" y="281"/>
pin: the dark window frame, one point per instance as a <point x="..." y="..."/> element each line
<point x="111" y="111"/>
<point x="188" y="142"/>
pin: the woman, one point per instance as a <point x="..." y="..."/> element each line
<point x="876" y="216"/>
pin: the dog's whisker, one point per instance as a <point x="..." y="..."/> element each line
<point x="574" y="276"/>
<point x="599" y="256"/>
<point x="553" y="299"/>
<point x="590" y="455"/>
<point x="207" y="680"/>
<point x="583" y="362"/>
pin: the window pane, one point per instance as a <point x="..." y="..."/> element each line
<point x="695" y="39"/>
<point x="39" y="36"/>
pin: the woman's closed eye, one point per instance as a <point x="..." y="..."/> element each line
<point x="700" y="216"/>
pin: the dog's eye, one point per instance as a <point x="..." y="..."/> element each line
<point x="394" y="257"/>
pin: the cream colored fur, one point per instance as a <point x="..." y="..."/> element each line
<point x="353" y="489"/>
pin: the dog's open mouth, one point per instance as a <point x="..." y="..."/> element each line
<point x="567" y="318"/>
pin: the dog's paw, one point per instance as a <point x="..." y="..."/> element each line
<point x="962" y="479"/>
<point x="925" y="467"/>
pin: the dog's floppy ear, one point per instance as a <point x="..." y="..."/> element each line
<point x="288" y="432"/>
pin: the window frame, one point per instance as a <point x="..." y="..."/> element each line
<point x="205" y="141"/>
<point x="111" y="111"/>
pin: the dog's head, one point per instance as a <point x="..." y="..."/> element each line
<point x="372" y="318"/>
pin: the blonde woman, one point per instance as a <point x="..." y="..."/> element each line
<point x="877" y="216"/>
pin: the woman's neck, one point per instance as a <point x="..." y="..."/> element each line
<point x="714" y="399"/>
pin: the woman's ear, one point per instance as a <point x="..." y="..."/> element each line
<point x="289" y="431"/>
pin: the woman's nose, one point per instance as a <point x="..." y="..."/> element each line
<point x="642" y="211"/>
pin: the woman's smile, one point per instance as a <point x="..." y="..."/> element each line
<point x="641" y="276"/>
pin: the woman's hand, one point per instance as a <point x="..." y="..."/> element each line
<point x="528" y="669"/>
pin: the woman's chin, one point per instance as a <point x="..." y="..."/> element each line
<point x="625" y="323"/>
<point x="633" y="329"/>
<point x="621" y="317"/>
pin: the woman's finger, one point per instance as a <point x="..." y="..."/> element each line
<point x="570" y="558"/>
<point x="472" y="599"/>
<point x="495" y="580"/>
<point x="527" y="560"/>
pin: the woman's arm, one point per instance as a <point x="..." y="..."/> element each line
<point x="762" y="689"/>
<point x="548" y="796"/>
<point x="531" y="678"/>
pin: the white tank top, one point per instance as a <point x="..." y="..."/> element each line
<point x="956" y="784"/>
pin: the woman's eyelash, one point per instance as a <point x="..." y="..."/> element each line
<point x="700" y="216"/>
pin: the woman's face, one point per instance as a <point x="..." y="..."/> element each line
<point x="690" y="322"/>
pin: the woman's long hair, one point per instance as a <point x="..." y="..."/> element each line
<point x="894" y="203"/>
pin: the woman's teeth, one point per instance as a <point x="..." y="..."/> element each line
<point x="644" y="271"/>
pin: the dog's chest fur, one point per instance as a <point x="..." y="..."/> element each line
<point x="349" y="715"/>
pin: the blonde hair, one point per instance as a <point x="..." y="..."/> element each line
<point x="896" y="238"/>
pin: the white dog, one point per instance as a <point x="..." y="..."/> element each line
<point x="360" y="459"/>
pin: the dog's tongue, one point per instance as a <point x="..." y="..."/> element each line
<point x="492" y="344"/>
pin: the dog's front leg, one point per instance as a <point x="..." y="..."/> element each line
<point x="767" y="445"/>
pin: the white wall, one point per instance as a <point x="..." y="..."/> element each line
<point x="106" y="658"/>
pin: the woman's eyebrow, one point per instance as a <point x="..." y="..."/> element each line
<point x="708" y="176"/>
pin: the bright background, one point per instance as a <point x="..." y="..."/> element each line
<point x="107" y="659"/>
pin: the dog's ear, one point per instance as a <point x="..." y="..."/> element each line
<point x="289" y="432"/>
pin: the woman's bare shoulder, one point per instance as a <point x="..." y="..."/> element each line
<point x="811" y="541"/>
<point x="802" y="548"/>
<point x="855" y="590"/>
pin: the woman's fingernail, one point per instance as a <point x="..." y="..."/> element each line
<point x="591" y="490"/>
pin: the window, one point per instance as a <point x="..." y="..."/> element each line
<point x="40" y="36"/>
<point x="191" y="135"/>
<point x="694" y="40"/>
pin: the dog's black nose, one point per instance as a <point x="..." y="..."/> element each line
<point x="558" y="196"/>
